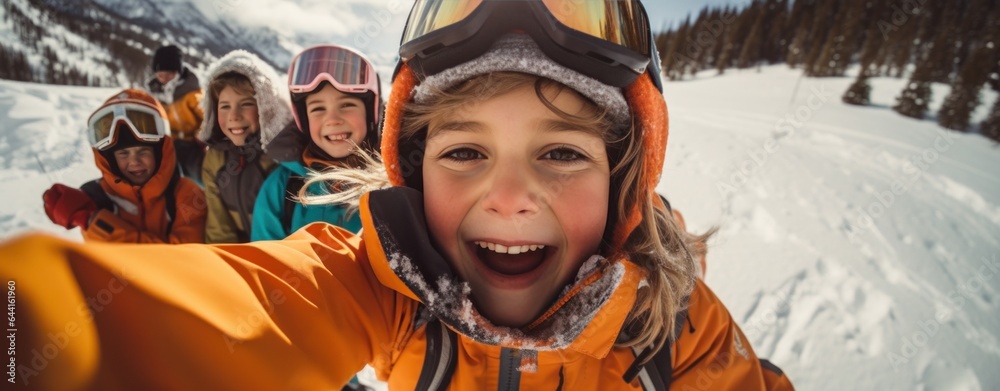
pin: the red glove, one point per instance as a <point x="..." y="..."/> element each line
<point x="68" y="207"/>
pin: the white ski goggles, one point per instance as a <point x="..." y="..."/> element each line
<point x="145" y="122"/>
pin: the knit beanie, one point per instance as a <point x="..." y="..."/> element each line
<point x="519" y="53"/>
<point x="167" y="58"/>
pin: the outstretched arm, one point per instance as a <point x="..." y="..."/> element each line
<point x="302" y="313"/>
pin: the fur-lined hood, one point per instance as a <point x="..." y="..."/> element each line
<point x="273" y="102"/>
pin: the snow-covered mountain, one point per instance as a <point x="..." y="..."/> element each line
<point x="858" y="249"/>
<point x="110" y="42"/>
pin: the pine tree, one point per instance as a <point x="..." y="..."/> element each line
<point x="776" y="40"/>
<point x="859" y="93"/>
<point x="872" y="39"/>
<point x="662" y="42"/>
<point x="705" y="37"/>
<point x="735" y="37"/>
<point x="798" y="30"/>
<point x="820" y="28"/>
<point x="991" y="125"/>
<point x="675" y="61"/>
<point x="964" y="96"/>
<point x="942" y="52"/>
<point x="915" y="97"/>
<point x="750" y="52"/>
<point x="841" y="43"/>
<point x="900" y="29"/>
<point x="728" y="16"/>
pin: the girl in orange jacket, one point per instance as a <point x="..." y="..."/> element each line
<point x="521" y="245"/>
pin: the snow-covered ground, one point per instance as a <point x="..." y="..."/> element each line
<point x="858" y="249"/>
<point x="42" y="141"/>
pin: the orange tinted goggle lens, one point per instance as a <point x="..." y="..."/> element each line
<point x="101" y="127"/>
<point x="616" y="21"/>
<point x="145" y="123"/>
<point x="432" y="15"/>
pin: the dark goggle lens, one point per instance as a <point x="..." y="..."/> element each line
<point x="145" y="123"/>
<point x="621" y="22"/>
<point x="344" y="66"/>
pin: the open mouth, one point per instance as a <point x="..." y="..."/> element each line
<point x="239" y="131"/>
<point x="514" y="260"/>
<point x="337" y="137"/>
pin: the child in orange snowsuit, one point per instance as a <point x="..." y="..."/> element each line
<point x="140" y="197"/>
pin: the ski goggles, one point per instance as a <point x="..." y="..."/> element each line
<point x="348" y="71"/>
<point x="145" y="122"/>
<point x="608" y="40"/>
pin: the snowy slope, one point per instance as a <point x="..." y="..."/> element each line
<point x="844" y="280"/>
<point x="905" y="300"/>
<point x="42" y="141"/>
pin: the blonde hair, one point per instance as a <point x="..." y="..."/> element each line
<point x="658" y="245"/>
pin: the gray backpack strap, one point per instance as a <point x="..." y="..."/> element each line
<point x="440" y="358"/>
<point x="658" y="372"/>
<point x="96" y="193"/>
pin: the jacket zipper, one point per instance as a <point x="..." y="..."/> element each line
<point x="510" y="376"/>
<point x="142" y="213"/>
<point x="239" y="203"/>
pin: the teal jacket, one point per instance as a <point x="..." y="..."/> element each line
<point x="270" y="205"/>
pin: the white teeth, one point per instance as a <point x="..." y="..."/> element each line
<point x="338" y="137"/>
<point x="513" y="250"/>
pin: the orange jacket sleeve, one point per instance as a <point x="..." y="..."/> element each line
<point x="193" y="101"/>
<point x="188" y="225"/>
<point x="711" y="352"/>
<point x="301" y="313"/>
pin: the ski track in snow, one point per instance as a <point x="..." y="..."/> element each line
<point x="42" y="141"/>
<point x="836" y="275"/>
<point x="849" y="274"/>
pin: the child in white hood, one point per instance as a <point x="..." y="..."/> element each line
<point x="245" y="107"/>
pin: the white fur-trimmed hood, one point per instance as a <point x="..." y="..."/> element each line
<point x="273" y="101"/>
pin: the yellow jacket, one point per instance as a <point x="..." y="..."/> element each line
<point x="309" y="311"/>
<point x="182" y="104"/>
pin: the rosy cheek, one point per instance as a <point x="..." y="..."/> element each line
<point x="314" y="129"/>
<point x="583" y="212"/>
<point x="222" y="121"/>
<point x="444" y="212"/>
